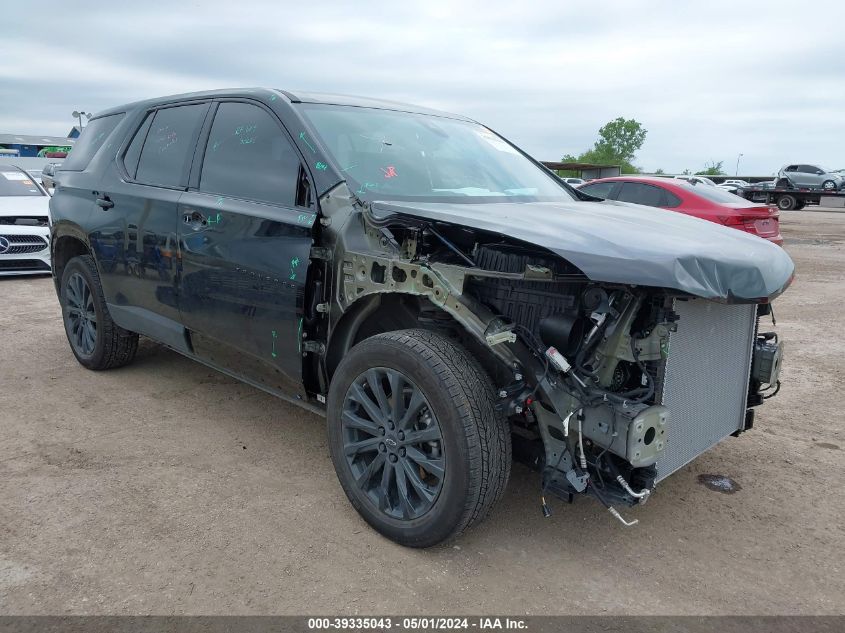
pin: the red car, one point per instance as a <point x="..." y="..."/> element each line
<point x="699" y="200"/>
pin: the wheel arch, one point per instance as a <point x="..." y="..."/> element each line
<point x="382" y="312"/>
<point x="66" y="243"/>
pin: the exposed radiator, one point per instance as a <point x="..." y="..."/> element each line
<point x="705" y="380"/>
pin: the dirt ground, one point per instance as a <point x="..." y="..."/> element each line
<point x="165" y="487"/>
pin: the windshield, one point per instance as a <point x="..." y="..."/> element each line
<point x="385" y="154"/>
<point x="17" y="183"/>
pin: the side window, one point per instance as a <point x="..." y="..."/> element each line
<point x="248" y="156"/>
<point x="810" y="169"/>
<point x="670" y="200"/>
<point x="169" y="145"/>
<point x="640" y="193"/>
<point x="90" y="141"/>
<point x="599" y="189"/>
<point x="792" y="168"/>
<point x="133" y="152"/>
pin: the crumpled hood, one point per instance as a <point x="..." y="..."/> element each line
<point x="624" y="243"/>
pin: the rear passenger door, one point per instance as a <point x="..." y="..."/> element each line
<point x="245" y="230"/>
<point x="135" y="235"/>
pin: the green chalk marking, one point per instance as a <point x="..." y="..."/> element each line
<point x="305" y="218"/>
<point x="219" y="201"/>
<point x="321" y="166"/>
<point x="273" y="349"/>
<point x="305" y="140"/>
<point x="348" y="168"/>
<point x="299" y="335"/>
<point x="215" y="219"/>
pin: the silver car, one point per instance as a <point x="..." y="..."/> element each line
<point x="809" y="176"/>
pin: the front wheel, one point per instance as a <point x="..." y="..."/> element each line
<point x="829" y="185"/>
<point x="96" y="340"/>
<point x="417" y="443"/>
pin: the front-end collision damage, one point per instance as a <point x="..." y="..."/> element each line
<point x="578" y="348"/>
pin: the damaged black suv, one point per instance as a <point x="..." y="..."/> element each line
<point x="443" y="299"/>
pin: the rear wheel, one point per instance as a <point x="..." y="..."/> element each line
<point x="96" y="341"/>
<point x="787" y="203"/>
<point x="415" y="438"/>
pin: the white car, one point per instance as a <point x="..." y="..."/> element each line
<point x="24" y="224"/>
<point x="733" y="185"/>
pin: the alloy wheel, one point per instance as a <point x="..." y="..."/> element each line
<point x="80" y="316"/>
<point x="393" y="443"/>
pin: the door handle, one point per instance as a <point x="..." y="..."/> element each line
<point x="105" y="203"/>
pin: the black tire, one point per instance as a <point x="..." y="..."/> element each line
<point x="787" y="203"/>
<point x="800" y="205"/>
<point x="829" y="185"/>
<point x="110" y="345"/>
<point x="475" y="437"/>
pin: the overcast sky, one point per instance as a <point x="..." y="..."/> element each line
<point x="708" y="80"/>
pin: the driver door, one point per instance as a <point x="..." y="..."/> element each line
<point x="246" y="241"/>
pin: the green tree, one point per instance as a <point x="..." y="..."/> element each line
<point x="712" y="168"/>
<point x="659" y="171"/>
<point x="619" y="141"/>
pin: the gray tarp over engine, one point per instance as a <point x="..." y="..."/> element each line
<point x="630" y="244"/>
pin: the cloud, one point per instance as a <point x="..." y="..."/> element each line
<point x="708" y="81"/>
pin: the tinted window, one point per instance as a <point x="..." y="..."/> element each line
<point x="640" y="193"/>
<point x="169" y="145"/>
<point x="249" y="156"/>
<point x="810" y="169"/>
<point x="133" y="152"/>
<point x="670" y="200"/>
<point x="599" y="189"/>
<point x="92" y="139"/>
<point x="14" y="182"/>
<point x="792" y="168"/>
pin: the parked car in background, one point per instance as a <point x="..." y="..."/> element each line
<point x="48" y="175"/>
<point x="733" y="185"/>
<point x="699" y="200"/>
<point x="422" y="283"/>
<point x="697" y="179"/>
<point x="574" y="181"/>
<point x="804" y="176"/>
<point x="24" y="224"/>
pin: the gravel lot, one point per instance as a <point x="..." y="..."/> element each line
<point x="165" y="487"/>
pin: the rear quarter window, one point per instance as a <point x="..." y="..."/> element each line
<point x="93" y="137"/>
